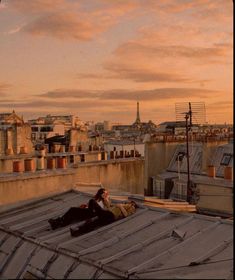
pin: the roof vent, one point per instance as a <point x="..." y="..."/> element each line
<point x="178" y="234"/>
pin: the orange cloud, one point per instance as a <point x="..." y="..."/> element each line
<point x="139" y="74"/>
<point x="219" y="11"/>
<point x="3" y="88"/>
<point x="37" y="6"/>
<point x="173" y="6"/>
<point x="63" y="26"/>
<point x="68" y="20"/>
<point x="138" y="49"/>
<point x="198" y="10"/>
<point x="115" y="8"/>
<point x="125" y="94"/>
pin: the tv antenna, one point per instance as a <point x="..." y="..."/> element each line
<point x="198" y="112"/>
<point x="187" y="111"/>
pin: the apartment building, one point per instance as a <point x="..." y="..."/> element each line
<point x="15" y="134"/>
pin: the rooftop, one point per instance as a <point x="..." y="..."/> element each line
<point x="152" y="243"/>
<point x="124" y="142"/>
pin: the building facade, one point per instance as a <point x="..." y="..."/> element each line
<point x="15" y="134"/>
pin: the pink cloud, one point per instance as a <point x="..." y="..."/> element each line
<point x="4" y="86"/>
<point x="68" y="25"/>
<point x="37" y="6"/>
<point x="117" y="7"/>
<point x="139" y="49"/>
<point x="69" y="20"/>
<point x="128" y="94"/>
<point x="140" y="74"/>
<point x="62" y="26"/>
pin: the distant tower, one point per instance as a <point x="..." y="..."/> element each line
<point x="137" y="121"/>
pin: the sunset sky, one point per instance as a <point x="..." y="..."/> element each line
<point x="96" y="58"/>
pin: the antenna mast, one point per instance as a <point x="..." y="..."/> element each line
<point x="188" y="118"/>
<point x="192" y="113"/>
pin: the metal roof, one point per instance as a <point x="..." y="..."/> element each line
<point x="217" y="158"/>
<point x="196" y="154"/>
<point x="195" y="151"/>
<point x="124" y="142"/>
<point x="198" y="179"/>
<point x="152" y="243"/>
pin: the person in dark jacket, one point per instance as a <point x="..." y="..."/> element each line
<point x="104" y="217"/>
<point x="83" y="212"/>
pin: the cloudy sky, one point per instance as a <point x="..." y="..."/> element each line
<point x="96" y="58"/>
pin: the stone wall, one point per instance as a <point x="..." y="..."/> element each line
<point x="78" y="137"/>
<point x="15" y="137"/>
<point x="125" y="175"/>
<point x="122" y="174"/>
<point x="157" y="159"/>
<point x="215" y="199"/>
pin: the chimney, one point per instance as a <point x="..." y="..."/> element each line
<point x="211" y="171"/>
<point x="228" y="173"/>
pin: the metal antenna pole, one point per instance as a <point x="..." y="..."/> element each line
<point x="188" y="118"/>
<point x="185" y="111"/>
<point x="188" y="167"/>
<point x="190" y="115"/>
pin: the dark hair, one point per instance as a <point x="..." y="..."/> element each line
<point x="134" y="203"/>
<point x="99" y="193"/>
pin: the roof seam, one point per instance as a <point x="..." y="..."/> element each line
<point x="149" y="262"/>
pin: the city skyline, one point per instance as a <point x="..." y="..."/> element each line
<point x="96" y="59"/>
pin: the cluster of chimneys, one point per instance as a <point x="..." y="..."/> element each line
<point x="124" y="154"/>
<point x="9" y="151"/>
<point x="56" y="148"/>
<point x="28" y="164"/>
<point x="228" y="172"/>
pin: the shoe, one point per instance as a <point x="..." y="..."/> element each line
<point x="75" y="232"/>
<point x="54" y="223"/>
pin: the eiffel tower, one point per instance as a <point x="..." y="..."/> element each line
<point x="138" y="114"/>
<point x="137" y="122"/>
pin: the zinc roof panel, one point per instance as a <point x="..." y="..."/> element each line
<point x="131" y="240"/>
<point x="189" y="252"/>
<point x="205" y="271"/>
<point x="105" y="275"/>
<point x="44" y="216"/>
<point x="83" y="271"/>
<point x="41" y="258"/>
<point x="32" y="210"/>
<point x="59" y="267"/>
<point x="19" y="260"/>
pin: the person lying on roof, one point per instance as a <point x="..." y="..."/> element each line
<point x="83" y="212"/>
<point x="105" y="217"/>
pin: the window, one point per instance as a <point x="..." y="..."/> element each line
<point x="46" y="129"/>
<point x="71" y="158"/>
<point x="226" y="159"/>
<point x="34" y="128"/>
<point x="180" y="156"/>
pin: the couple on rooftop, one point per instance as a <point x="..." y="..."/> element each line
<point x="98" y="212"/>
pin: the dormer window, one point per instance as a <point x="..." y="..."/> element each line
<point x="180" y="156"/>
<point x="226" y="159"/>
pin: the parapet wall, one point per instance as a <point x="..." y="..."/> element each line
<point x="122" y="174"/>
